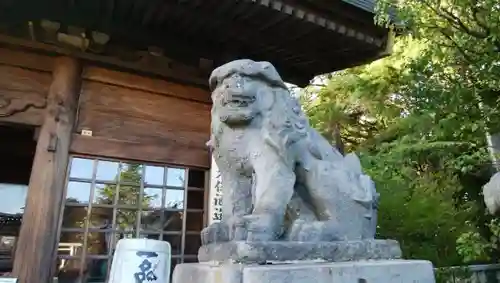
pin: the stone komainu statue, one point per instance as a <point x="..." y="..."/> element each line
<point x="281" y="179"/>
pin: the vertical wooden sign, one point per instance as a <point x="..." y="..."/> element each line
<point x="215" y="194"/>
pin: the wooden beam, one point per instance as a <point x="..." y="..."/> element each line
<point x="133" y="81"/>
<point x="323" y="12"/>
<point x="36" y="249"/>
<point x="199" y="80"/>
<point x="166" y="153"/>
<point x="23" y="94"/>
<point x="28" y="60"/>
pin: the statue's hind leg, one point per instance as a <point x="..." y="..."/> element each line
<point x="319" y="192"/>
<point x="304" y="225"/>
<point x="316" y="231"/>
<point x="342" y="201"/>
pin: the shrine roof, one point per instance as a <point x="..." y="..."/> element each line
<point x="302" y="38"/>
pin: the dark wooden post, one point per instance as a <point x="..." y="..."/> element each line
<point x="36" y="247"/>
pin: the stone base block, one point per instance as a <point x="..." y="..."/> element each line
<point x="382" y="271"/>
<point x="282" y="251"/>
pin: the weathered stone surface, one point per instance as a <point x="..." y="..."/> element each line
<point x="387" y="271"/>
<point x="282" y="251"/>
<point x="208" y="273"/>
<point x="491" y="193"/>
<point x="281" y="180"/>
<point x="352" y="272"/>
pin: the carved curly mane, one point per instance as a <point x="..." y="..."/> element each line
<point x="284" y="122"/>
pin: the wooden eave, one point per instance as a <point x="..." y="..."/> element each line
<point x="302" y="38"/>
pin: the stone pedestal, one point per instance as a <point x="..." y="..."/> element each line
<point x="286" y="251"/>
<point x="366" y="261"/>
<point x="377" y="271"/>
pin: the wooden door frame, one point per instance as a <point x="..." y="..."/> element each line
<point x="37" y="243"/>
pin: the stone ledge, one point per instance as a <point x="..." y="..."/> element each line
<point x="262" y="252"/>
<point x="377" y="271"/>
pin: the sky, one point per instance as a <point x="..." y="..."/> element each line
<point x="12" y="198"/>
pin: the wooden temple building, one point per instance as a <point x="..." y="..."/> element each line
<point x="104" y="115"/>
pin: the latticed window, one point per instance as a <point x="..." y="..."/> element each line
<point x="108" y="200"/>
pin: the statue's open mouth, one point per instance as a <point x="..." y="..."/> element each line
<point x="238" y="100"/>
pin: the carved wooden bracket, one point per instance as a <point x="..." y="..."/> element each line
<point x="8" y="108"/>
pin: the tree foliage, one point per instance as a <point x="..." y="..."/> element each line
<point x="128" y="195"/>
<point x="419" y="119"/>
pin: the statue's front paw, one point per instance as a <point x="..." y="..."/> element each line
<point x="237" y="228"/>
<point x="316" y="231"/>
<point x="262" y="228"/>
<point x="295" y="231"/>
<point x="216" y="232"/>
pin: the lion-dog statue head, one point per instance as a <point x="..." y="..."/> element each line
<point x="247" y="93"/>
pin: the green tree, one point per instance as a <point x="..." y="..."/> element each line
<point x="128" y="195"/>
<point x="426" y="149"/>
<point x="465" y="36"/>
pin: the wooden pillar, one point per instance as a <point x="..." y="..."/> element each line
<point x="36" y="247"/>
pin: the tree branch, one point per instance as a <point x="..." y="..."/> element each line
<point x="475" y="16"/>
<point x="458" y="22"/>
<point x="458" y="47"/>
<point x="454" y="20"/>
